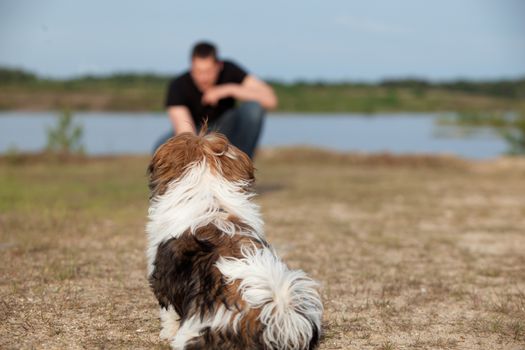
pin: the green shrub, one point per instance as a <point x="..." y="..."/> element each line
<point x="515" y="136"/>
<point x="65" y="137"/>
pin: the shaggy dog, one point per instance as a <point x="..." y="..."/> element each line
<point x="219" y="284"/>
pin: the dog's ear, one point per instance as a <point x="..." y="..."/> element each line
<point x="171" y="160"/>
<point x="150" y="173"/>
<point x="229" y="161"/>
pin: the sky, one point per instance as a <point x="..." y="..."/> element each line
<point x="329" y="40"/>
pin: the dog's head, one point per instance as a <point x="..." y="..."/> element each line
<point x="178" y="154"/>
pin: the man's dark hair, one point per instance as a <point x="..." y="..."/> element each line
<point x="204" y="49"/>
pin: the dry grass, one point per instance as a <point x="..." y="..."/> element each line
<point x="412" y="252"/>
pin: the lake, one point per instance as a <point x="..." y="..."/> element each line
<point x="109" y="133"/>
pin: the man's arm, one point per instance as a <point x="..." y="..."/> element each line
<point x="251" y="89"/>
<point x="181" y="120"/>
<point x="254" y="89"/>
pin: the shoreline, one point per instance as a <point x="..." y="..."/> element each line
<point x="294" y="154"/>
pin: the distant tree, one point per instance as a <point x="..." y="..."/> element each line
<point x="10" y="75"/>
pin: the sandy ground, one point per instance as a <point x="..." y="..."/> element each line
<point x="411" y="252"/>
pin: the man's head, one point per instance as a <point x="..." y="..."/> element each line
<point x="205" y="65"/>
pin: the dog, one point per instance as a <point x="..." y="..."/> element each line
<point x="219" y="284"/>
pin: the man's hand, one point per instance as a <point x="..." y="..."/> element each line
<point x="216" y="93"/>
<point x="251" y="89"/>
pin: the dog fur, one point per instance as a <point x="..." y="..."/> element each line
<point x="219" y="284"/>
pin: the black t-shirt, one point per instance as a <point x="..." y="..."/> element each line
<point x="182" y="91"/>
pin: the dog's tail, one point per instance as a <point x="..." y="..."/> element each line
<point x="289" y="302"/>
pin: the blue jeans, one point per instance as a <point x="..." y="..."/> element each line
<point x="241" y="125"/>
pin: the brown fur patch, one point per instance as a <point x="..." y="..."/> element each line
<point x="174" y="157"/>
<point x="185" y="276"/>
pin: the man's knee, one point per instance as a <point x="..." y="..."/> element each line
<point x="252" y="110"/>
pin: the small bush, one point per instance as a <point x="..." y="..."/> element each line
<point x="66" y="137"/>
<point x="515" y="137"/>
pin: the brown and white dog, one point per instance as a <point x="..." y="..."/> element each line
<point x="218" y="282"/>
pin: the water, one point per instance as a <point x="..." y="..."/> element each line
<point x="135" y="133"/>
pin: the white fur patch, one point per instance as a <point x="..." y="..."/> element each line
<point x="169" y="320"/>
<point x="196" y="199"/>
<point x="289" y="299"/>
<point x="191" y="327"/>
